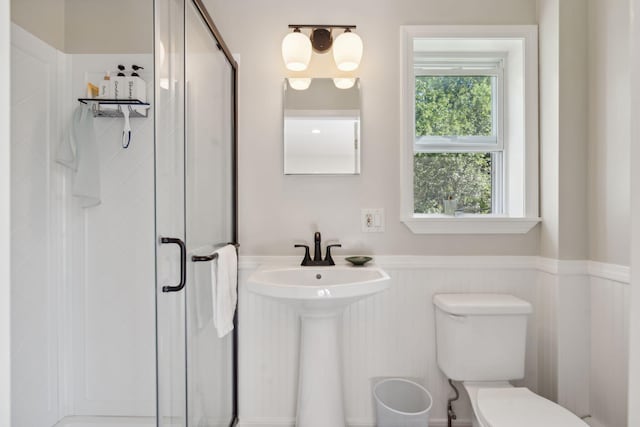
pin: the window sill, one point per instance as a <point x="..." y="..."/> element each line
<point x="443" y="224"/>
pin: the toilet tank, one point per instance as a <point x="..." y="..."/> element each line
<point x="481" y="337"/>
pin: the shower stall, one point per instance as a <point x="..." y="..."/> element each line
<point x="113" y="318"/>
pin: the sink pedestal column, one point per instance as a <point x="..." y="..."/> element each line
<point x="320" y="401"/>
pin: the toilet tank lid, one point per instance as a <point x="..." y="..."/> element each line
<point x="481" y="304"/>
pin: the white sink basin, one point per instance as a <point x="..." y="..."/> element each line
<point x="318" y="287"/>
<point x="319" y="295"/>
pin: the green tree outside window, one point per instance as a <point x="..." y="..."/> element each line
<point x="453" y="106"/>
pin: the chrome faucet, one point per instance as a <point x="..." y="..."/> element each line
<point x="317" y="252"/>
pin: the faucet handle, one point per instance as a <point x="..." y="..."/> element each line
<point x="307" y="257"/>
<point x="328" y="257"/>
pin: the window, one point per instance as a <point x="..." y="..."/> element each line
<point x="470" y="154"/>
<point x="458" y="139"/>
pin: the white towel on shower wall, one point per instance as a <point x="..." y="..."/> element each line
<point x="78" y="151"/>
<point x="224" y="289"/>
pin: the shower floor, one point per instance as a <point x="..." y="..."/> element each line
<point x="116" y="422"/>
<point x="106" y="422"/>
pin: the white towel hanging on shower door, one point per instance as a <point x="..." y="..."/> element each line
<point x="224" y="283"/>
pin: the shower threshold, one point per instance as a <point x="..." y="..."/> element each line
<point x="106" y="421"/>
<point x="114" y="421"/>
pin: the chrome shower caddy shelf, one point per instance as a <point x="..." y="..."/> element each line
<point x="136" y="107"/>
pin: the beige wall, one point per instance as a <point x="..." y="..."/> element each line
<point x="563" y="128"/>
<point x="609" y="131"/>
<point x="549" y="72"/>
<point x="574" y="89"/>
<point x="114" y="26"/>
<point x="42" y="18"/>
<point x="277" y="210"/>
<point x="290" y="208"/>
<point x="88" y="26"/>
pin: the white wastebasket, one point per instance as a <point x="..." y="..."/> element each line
<point x="401" y="403"/>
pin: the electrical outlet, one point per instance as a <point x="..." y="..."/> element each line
<point x="372" y="220"/>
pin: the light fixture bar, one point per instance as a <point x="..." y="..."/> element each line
<point x="297" y="46"/>
<point x="350" y="27"/>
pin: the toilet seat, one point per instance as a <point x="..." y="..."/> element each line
<point x="518" y="406"/>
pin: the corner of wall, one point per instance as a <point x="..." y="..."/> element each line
<point x="634" y="333"/>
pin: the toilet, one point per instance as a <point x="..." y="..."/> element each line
<point x="481" y="342"/>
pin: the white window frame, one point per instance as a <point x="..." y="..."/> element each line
<point x="517" y="45"/>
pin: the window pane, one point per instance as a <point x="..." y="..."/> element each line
<point x="465" y="177"/>
<point x="454" y="106"/>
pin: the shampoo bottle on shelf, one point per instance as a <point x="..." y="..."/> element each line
<point x="119" y="88"/>
<point x="136" y="88"/>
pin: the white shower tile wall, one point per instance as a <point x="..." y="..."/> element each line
<point x="392" y="334"/>
<point x="36" y="266"/>
<point x="83" y="317"/>
<point x="113" y="344"/>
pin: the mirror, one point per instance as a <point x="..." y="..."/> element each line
<point x="322" y="129"/>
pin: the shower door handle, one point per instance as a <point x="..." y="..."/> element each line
<point x="183" y="263"/>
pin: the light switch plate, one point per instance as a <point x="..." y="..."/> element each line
<point x="372" y="220"/>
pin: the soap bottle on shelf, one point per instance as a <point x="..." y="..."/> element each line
<point x="105" y="86"/>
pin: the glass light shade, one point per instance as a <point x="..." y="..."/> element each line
<point x="299" y="83"/>
<point x="344" y="82"/>
<point x="296" y="51"/>
<point x="347" y="51"/>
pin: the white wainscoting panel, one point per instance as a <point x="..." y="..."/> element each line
<point x="583" y="338"/>
<point x="563" y="333"/>
<point x="389" y="334"/>
<point x="36" y="262"/>
<point x="573" y="340"/>
<point x="547" y="337"/>
<point x="609" y="349"/>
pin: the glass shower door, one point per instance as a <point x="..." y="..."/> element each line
<point x="195" y="214"/>
<point x="171" y="350"/>
<point x="210" y="213"/>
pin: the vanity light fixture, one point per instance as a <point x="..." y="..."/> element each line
<point x="297" y="46"/>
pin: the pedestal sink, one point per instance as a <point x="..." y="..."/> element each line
<point x="319" y="295"/>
